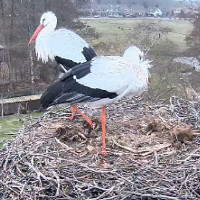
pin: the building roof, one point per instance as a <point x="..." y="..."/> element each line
<point x="153" y="9"/>
<point x="121" y="8"/>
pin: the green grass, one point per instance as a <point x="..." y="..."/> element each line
<point x="111" y="30"/>
<point x="180" y="29"/>
<point x="114" y="30"/>
<point x="10" y="125"/>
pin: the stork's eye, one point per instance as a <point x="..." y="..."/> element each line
<point x="44" y="22"/>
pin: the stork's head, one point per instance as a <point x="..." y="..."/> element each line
<point x="134" y="54"/>
<point x="48" y="22"/>
<point x="48" y="18"/>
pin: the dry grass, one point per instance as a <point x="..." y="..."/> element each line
<point x="56" y="158"/>
<point x="117" y="31"/>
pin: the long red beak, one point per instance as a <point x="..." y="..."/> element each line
<point x="39" y="28"/>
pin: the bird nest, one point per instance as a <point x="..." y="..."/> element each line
<point x="151" y="155"/>
<point x="186" y="111"/>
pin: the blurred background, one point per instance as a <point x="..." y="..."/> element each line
<point x="167" y="29"/>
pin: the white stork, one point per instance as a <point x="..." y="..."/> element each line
<point x="99" y="82"/>
<point x="62" y="45"/>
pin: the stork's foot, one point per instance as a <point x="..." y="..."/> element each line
<point x="73" y="108"/>
<point x="71" y="118"/>
<point x="92" y="126"/>
<point x="104" y="152"/>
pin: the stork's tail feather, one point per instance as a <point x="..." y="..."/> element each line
<point x="89" y="53"/>
<point x="51" y="94"/>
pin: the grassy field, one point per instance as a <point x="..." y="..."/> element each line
<point x="9" y="125"/>
<point x="117" y="30"/>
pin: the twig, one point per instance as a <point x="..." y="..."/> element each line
<point x="62" y="144"/>
<point x="1" y="182"/>
<point x="156" y="158"/>
<point x="58" y="182"/>
<point x="155" y="196"/>
<point x="191" y="155"/>
<point x="144" y="151"/>
<point x="6" y="161"/>
<point x="156" y="40"/>
<point x="124" y="147"/>
<point x="104" y="193"/>
<point x="39" y="174"/>
<point x="155" y="148"/>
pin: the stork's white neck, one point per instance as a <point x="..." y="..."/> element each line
<point x="42" y="43"/>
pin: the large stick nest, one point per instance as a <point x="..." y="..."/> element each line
<point x="152" y="155"/>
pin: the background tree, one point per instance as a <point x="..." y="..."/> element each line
<point x="18" y="20"/>
<point x="182" y="14"/>
<point x="118" y="2"/>
<point x="145" y="4"/>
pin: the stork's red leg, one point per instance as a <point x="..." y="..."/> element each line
<point x="74" y="109"/>
<point x="85" y="117"/>
<point x="73" y="112"/>
<point x="103" y="119"/>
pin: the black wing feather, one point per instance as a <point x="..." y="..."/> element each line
<point x="66" y="63"/>
<point x="68" y="90"/>
<point x="88" y="53"/>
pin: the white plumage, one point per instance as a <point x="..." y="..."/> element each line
<point x="134" y="54"/>
<point x="103" y="80"/>
<point x="62" y="42"/>
<point x="122" y="76"/>
<point x="116" y="75"/>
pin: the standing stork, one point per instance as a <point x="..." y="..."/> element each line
<point x="99" y="82"/>
<point x="64" y="46"/>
